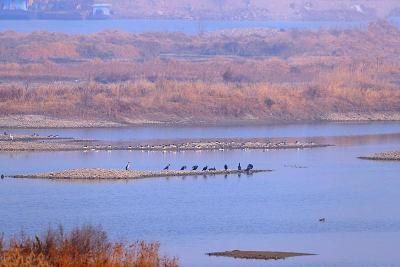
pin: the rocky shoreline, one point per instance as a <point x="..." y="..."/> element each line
<point x="389" y="156"/>
<point x="113" y="174"/>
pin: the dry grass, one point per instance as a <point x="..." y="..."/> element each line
<point x="87" y="246"/>
<point x="244" y="75"/>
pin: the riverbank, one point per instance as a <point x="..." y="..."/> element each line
<point x="389" y="156"/>
<point x="258" y="255"/>
<point x="43" y="122"/>
<point x="112" y="174"/>
<point x="39" y="121"/>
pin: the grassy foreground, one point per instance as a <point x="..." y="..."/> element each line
<point x="86" y="246"/>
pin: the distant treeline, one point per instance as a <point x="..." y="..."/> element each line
<point x="230" y="75"/>
<point x="379" y="40"/>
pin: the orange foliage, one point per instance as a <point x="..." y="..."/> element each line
<point x="87" y="246"/>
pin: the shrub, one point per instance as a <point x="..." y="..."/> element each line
<point x="269" y="102"/>
<point x="87" y="246"/>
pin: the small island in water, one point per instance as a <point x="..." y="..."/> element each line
<point x="112" y="174"/>
<point x="391" y="155"/>
<point x="258" y="255"/>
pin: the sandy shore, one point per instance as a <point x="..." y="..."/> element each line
<point x="392" y="155"/>
<point x="112" y="174"/>
<point x="37" y="143"/>
<point x="357" y="116"/>
<point x="259" y="255"/>
<point x="40" y="121"/>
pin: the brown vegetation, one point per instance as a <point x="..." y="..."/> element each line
<point x="87" y="246"/>
<point x="249" y="75"/>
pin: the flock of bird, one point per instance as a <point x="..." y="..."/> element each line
<point x="196" y="167"/>
<point x="33" y="135"/>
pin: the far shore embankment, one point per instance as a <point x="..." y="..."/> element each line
<point x="43" y="122"/>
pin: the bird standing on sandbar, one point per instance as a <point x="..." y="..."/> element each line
<point x="167" y="167"/>
<point x="249" y="167"/>
<point x="128" y="166"/>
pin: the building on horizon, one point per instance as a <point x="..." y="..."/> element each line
<point x="21" y="5"/>
<point x="101" y="10"/>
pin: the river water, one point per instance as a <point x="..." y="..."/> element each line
<point x="172" y="25"/>
<point x="191" y="216"/>
<point x="158" y="25"/>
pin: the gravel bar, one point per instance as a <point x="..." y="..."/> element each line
<point x="111" y="174"/>
<point x="258" y="255"/>
<point x="393" y="155"/>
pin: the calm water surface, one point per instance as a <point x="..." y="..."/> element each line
<point x="195" y="215"/>
<point x="288" y="130"/>
<point x="158" y="25"/>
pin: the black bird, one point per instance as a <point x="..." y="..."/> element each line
<point x="225" y="167"/>
<point x="183" y="168"/>
<point x="239" y="167"/>
<point x="205" y="168"/>
<point x="322" y="220"/>
<point x="2" y="176"/>
<point x="212" y="169"/>
<point x="167" y="167"/>
<point x="195" y="168"/>
<point x="128" y="166"/>
<point x="249" y="167"/>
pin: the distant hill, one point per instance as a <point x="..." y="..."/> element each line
<point x="258" y="9"/>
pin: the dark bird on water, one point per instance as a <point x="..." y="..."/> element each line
<point x="183" y="168"/>
<point x="167" y="167"/>
<point x="195" y="167"/>
<point x="322" y="220"/>
<point x="249" y="167"/>
<point x="205" y="168"/>
<point x="225" y="167"/>
<point x="128" y="166"/>
<point x="2" y="176"/>
<point x="239" y="167"/>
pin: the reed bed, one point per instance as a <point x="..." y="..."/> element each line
<point x="86" y="246"/>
